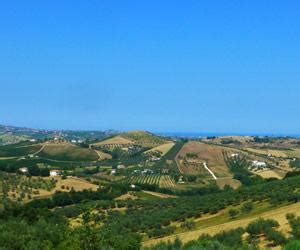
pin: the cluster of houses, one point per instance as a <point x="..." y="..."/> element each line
<point x="259" y="164"/>
<point x="255" y="163"/>
<point x="143" y="172"/>
<point x="114" y="171"/>
<point x="52" y="172"/>
<point x="76" y="141"/>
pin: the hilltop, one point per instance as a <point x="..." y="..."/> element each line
<point x="137" y="137"/>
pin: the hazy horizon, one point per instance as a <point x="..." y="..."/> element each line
<point x="171" y="133"/>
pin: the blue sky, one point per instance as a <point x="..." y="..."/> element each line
<point x="192" y="66"/>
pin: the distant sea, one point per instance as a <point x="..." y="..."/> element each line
<point x="217" y="134"/>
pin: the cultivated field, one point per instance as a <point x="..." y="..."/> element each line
<point x="65" y="185"/>
<point x="272" y="152"/>
<point x="102" y="155"/>
<point x="114" y="141"/>
<point x="270" y="174"/>
<point x="23" y="188"/>
<point x="211" y="154"/>
<point x="163" y="181"/>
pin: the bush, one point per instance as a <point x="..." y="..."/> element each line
<point x="233" y="213"/>
<point x="261" y="226"/>
<point x="247" y="207"/>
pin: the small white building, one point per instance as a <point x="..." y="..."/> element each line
<point x="234" y="155"/>
<point x="147" y="171"/>
<point x="23" y="170"/>
<point x="259" y="164"/>
<point x="54" y="173"/>
<point x="113" y="171"/>
<point x="120" y="166"/>
<point x="132" y="186"/>
<point x="180" y="180"/>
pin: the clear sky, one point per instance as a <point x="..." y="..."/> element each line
<point x="193" y="66"/>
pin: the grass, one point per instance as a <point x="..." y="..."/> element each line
<point x="68" y="152"/>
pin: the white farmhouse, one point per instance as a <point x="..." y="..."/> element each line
<point x="23" y="170"/>
<point x="54" y="173"/>
<point x="120" y="166"/>
<point x="259" y="164"/>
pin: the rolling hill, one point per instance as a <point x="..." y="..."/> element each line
<point x="67" y="152"/>
<point x="142" y="138"/>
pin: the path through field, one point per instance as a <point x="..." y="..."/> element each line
<point x="211" y="172"/>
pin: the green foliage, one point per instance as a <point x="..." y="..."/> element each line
<point x="261" y="226"/>
<point x="275" y="237"/>
<point x="191" y="155"/>
<point x="20" y="149"/>
<point x="188" y="224"/>
<point x="292" y="245"/>
<point x="295" y="225"/>
<point x="233" y="213"/>
<point x="295" y="164"/>
<point x="239" y="167"/>
<point x="247" y="207"/>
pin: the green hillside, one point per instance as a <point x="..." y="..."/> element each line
<point x="20" y="149"/>
<point x="144" y="138"/>
<point x="68" y="152"/>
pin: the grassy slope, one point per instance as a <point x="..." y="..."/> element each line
<point x="145" y="138"/>
<point x="220" y="222"/>
<point x="68" y="152"/>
